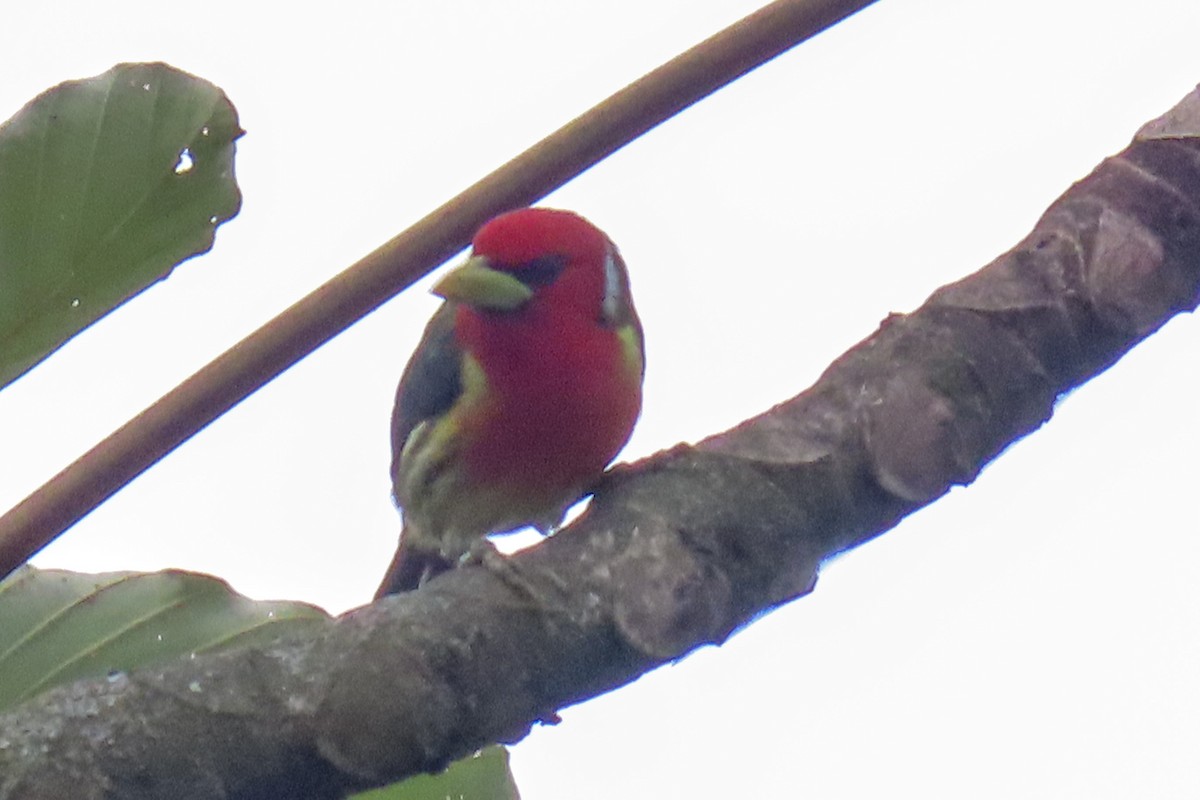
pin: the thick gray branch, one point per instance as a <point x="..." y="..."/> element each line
<point x="676" y="551"/>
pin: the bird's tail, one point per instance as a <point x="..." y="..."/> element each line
<point x="411" y="567"/>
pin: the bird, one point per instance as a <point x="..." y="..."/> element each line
<point x="526" y="383"/>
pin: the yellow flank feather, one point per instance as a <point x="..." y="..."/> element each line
<point x="631" y="352"/>
<point x="440" y="511"/>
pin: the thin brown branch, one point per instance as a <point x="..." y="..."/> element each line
<point x="342" y="301"/>
<point x="676" y="552"/>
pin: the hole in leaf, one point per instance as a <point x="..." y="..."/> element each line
<point x="185" y="163"/>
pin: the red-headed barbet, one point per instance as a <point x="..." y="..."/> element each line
<point x="526" y="384"/>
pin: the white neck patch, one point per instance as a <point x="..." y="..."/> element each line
<point x="611" y="304"/>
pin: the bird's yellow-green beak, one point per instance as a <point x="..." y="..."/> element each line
<point x="476" y="284"/>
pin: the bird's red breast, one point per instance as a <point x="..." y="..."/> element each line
<point x="563" y="393"/>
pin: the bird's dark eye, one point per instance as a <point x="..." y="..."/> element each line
<point x="540" y="271"/>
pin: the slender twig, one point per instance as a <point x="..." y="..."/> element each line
<point x="352" y="294"/>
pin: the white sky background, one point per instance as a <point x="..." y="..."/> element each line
<point x="1032" y="636"/>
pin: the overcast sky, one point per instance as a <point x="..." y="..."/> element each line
<point x="1032" y="636"/>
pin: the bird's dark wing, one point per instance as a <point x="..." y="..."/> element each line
<point x="431" y="382"/>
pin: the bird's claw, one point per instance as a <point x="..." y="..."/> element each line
<point x="483" y="553"/>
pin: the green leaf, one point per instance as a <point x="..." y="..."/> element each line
<point x="483" y="776"/>
<point x="58" y="626"/>
<point x="105" y="185"/>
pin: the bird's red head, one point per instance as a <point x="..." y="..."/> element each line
<point x="570" y="265"/>
<point x="528" y="234"/>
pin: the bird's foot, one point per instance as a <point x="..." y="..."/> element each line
<point x="485" y="554"/>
